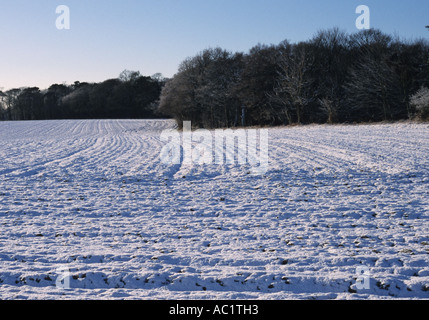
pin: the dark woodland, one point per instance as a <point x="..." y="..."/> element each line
<point x="334" y="77"/>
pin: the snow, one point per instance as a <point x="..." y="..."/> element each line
<point x="92" y="201"/>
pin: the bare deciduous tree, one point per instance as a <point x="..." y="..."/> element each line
<point x="293" y="85"/>
<point x="420" y="100"/>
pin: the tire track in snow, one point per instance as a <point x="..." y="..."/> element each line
<point x="75" y="142"/>
<point x="323" y="153"/>
<point x="35" y="150"/>
<point x="111" y="148"/>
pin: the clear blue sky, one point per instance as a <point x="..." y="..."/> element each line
<point x="108" y="36"/>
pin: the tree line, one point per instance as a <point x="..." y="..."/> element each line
<point x="130" y="96"/>
<point x="334" y="77"/>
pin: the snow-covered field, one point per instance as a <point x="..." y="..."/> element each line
<point x="92" y="198"/>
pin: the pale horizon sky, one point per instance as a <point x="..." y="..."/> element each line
<point x="108" y="36"/>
